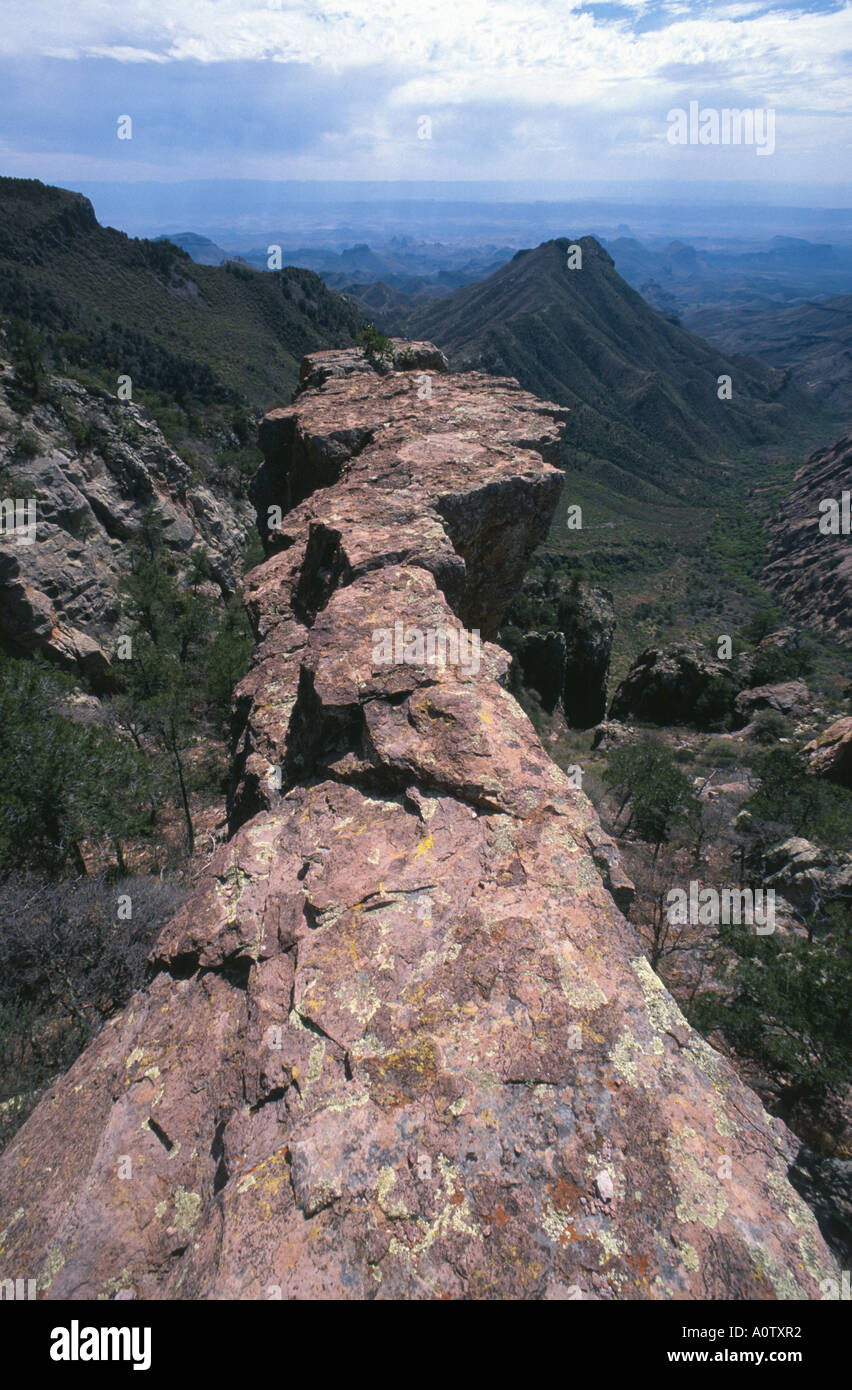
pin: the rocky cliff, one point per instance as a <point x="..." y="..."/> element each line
<point x="401" y="1043"/>
<point x="810" y="545"/>
<point x="95" y="466"/>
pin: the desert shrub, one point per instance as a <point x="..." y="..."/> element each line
<point x="714" y="705"/>
<point x="375" y="344"/>
<point x="27" y="445"/>
<point x="774" y="665"/>
<point x="660" y="795"/>
<point x="770" y="725"/>
<point x="63" y="782"/>
<point x="790" y="800"/>
<point x="789" y="1006"/>
<point x="719" y="751"/>
<point x="767" y="618"/>
<point x="26" y="348"/>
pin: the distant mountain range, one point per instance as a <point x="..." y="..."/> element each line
<point x="200" y="248"/>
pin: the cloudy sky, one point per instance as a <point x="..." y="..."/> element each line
<point x="337" y="89"/>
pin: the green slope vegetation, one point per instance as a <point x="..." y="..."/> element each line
<point x="114" y="305"/>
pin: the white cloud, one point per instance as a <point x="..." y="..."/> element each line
<point x="544" y="62"/>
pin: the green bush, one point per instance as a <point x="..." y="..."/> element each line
<point x="720" y="750"/>
<point x="774" y="665"/>
<point x="770" y="725"/>
<point x="790" y="799"/>
<point x="660" y="795"/>
<point x="788" y="1005"/>
<point x="27" y="445"/>
<point x="62" y="782"/>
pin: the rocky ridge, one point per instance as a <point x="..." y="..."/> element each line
<point x="401" y="1043"/>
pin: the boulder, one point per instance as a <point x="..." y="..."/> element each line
<point x="588" y="631"/>
<point x="791" y="698"/>
<point x="675" y="685"/>
<point x="830" y="753"/>
<point x="541" y="656"/>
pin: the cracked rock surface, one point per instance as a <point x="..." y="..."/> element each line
<point x="401" y="1043"/>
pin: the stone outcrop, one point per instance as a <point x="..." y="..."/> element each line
<point x="791" y="698"/>
<point x="541" y="657"/>
<point x="401" y="1043"/>
<point x="570" y="665"/>
<point x="810" y="571"/>
<point x="809" y="877"/>
<point x="59" y="594"/>
<point x="588" y="632"/>
<point x="675" y="685"/>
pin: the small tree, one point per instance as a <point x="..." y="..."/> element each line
<point x="62" y="782"/>
<point x="27" y="352"/>
<point x="377" y="347"/>
<point x="646" y="775"/>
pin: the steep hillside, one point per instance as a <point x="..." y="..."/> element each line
<point x="810" y="550"/>
<point x="646" y="416"/>
<point x="121" y="306"/>
<point x="813" y="340"/>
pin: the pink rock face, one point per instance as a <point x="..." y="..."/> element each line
<point x="401" y="1043"/>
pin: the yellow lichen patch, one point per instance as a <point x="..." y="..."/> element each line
<point x="315" y="1065"/>
<point x="401" y="1076"/>
<point x="54" y="1262"/>
<point x="700" y="1193"/>
<point x="392" y="1205"/>
<point x="454" y="1217"/>
<point x="769" y="1270"/>
<point x="799" y="1216"/>
<point x="187" y="1209"/>
<point x="13" y="1220"/>
<point x="662" y="1009"/>
<point x="628" y="1052"/>
<point x="425" y="846"/>
<point x="578" y="986"/>
<point x="689" y="1256"/>
<point x="114" y="1285"/>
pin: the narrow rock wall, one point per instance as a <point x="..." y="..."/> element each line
<point x="401" y="1043"/>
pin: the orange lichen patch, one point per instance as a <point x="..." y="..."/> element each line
<point x="401" y="1076"/>
<point x="564" y="1194"/>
